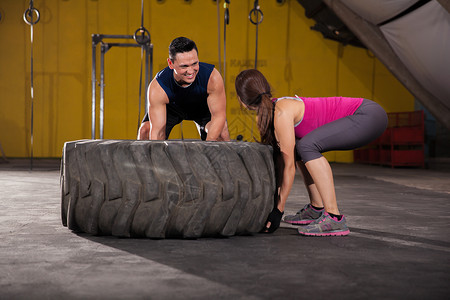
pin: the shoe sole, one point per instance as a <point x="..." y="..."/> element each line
<point x="299" y="222"/>
<point x="337" y="233"/>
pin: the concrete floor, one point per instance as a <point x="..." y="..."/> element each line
<point x="399" y="246"/>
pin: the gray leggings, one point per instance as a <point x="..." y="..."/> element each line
<point x="367" y="123"/>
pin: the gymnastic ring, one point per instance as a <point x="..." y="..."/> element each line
<point x="29" y="13"/>
<point x="256" y="11"/>
<point x="142" y="39"/>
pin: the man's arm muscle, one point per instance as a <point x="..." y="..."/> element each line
<point x="158" y="100"/>
<point x="217" y="104"/>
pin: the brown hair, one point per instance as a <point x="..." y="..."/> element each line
<point x="254" y="92"/>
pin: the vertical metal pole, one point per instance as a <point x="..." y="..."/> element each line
<point x="93" y="83"/>
<point x="102" y="88"/>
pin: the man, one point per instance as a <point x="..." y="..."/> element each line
<point x="186" y="90"/>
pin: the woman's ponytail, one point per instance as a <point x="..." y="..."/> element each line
<point x="265" y="113"/>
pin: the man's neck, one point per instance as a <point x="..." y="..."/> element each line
<point x="182" y="83"/>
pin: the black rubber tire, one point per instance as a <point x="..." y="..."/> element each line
<point x="161" y="189"/>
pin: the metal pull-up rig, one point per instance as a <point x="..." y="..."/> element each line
<point x="142" y="40"/>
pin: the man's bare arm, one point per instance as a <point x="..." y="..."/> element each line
<point x="157" y="111"/>
<point x="217" y="104"/>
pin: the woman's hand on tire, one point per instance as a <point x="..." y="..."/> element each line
<point x="273" y="221"/>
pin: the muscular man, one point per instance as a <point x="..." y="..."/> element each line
<point x="186" y="90"/>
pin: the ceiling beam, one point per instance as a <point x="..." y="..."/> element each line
<point x="445" y="4"/>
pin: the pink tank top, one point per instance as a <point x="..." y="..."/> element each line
<point x="320" y="111"/>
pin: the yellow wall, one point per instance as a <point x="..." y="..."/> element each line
<point x="295" y="60"/>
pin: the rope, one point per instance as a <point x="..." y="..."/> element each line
<point x="28" y="18"/>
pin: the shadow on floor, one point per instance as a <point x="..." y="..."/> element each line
<point x="276" y="265"/>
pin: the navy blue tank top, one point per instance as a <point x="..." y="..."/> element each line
<point x="189" y="102"/>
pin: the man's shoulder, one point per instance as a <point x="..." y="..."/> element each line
<point x="206" y="66"/>
<point x="157" y="92"/>
<point x="164" y="77"/>
<point x="163" y="73"/>
<point x="205" y="72"/>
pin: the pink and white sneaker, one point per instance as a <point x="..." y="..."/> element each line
<point x="304" y="216"/>
<point x="325" y="225"/>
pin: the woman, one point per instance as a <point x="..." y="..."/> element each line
<point x="300" y="129"/>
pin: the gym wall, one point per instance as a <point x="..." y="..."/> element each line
<point x="295" y="59"/>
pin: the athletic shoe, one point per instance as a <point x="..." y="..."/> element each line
<point x="304" y="216"/>
<point x="325" y="226"/>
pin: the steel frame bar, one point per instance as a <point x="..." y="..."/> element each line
<point x="99" y="38"/>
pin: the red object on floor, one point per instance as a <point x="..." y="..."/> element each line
<point x="402" y="143"/>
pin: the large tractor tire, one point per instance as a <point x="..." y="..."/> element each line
<point x="162" y="189"/>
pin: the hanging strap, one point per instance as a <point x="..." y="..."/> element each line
<point x="140" y="90"/>
<point x="218" y="35"/>
<point x="28" y="17"/>
<point x="256" y="11"/>
<point x="142" y="37"/>
<point x="225" y="23"/>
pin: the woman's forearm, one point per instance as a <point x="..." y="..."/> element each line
<point x="286" y="185"/>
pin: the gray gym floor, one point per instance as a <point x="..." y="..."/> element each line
<point x="399" y="246"/>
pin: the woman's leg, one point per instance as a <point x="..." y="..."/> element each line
<point x="313" y="193"/>
<point x="309" y="213"/>
<point x="351" y="132"/>
<point x="322" y="175"/>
